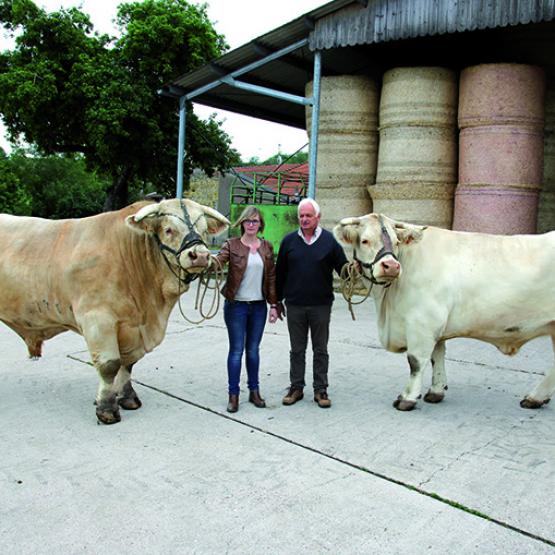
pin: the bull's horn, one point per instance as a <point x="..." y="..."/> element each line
<point x="215" y="214"/>
<point x="350" y="221"/>
<point x="146" y="212"/>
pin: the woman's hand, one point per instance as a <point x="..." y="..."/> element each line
<point x="273" y="315"/>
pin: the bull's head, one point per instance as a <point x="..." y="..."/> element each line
<point x="181" y="229"/>
<point x="375" y="241"/>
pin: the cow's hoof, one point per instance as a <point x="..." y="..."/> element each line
<point x="529" y="403"/>
<point x="432" y="397"/>
<point x="130" y="403"/>
<point x="108" y="416"/>
<point x="402" y="404"/>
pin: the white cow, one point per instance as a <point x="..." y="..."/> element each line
<point x="432" y="284"/>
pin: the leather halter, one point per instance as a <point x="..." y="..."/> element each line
<point x="190" y="240"/>
<point x="384" y="251"/>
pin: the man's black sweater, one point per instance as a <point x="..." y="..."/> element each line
<point x="304" y="273"/>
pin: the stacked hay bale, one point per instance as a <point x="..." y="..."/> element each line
<point x="546" y="206"/>
<point x="347" y="145"/>
<point x="417" y="159"/>
<point x="501" y="117"/>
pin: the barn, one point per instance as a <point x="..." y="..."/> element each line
<point x="438" y="112"/>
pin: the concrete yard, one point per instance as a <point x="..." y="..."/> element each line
<point x="472" y="475"/>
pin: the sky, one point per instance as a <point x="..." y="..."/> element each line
<point x="239" y="21"/>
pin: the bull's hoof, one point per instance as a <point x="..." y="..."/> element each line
<point x="108" y="416"/>
<point x="402" y="404"/>
<point x="130" y="403"/>
<point x="529" y="403"/>
<point x="432" y="397"/>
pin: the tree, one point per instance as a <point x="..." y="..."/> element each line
<point x="14" y="198"/>
<point x="299" y="157"/>
<point x="69" y="90"/>
<point x="58" y="186"/>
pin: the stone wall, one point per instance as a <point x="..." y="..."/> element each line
<point x="203" y="189"/>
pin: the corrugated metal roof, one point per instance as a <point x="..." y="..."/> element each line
<point x="258" y="48"/>
<point x="359" y="37"/>
<point x="386" y="20"/>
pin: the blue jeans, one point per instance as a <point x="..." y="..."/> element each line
<point x="245" y="325"/>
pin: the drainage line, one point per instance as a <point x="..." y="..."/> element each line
<point x="434" y="496"/>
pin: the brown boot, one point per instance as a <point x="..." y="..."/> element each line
<point x="321" y="397"/>
<point x="293" y="395"/>
<point x="256" y="400"/>
<point x="233" y="404"/>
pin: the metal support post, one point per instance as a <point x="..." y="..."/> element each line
<point x="181" y="147"/>
<point x="313" y="148"/>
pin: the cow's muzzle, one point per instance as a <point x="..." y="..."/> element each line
<point x="388" y="268"/>
<point x="195" y="259"/>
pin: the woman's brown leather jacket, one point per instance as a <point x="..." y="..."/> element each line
<point x="236" y="255"/>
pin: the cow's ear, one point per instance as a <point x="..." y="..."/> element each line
<point x="346" y="231"/>
<point x="216" y="222"/>
<point x="142" y="221"/>
<point x="408" y="233"/>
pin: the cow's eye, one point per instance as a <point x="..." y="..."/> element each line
<point x="365" y="242"/>
<point x="168" y="231"/>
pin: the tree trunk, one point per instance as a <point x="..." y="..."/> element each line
<point x="118" y="194"/>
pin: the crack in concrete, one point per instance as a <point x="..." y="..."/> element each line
<point x="457" y="459"/>
<point x="415" y="489"/>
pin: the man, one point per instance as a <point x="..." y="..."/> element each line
<point x="304" y="279"/>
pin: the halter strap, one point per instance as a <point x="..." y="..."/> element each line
<point x="384" y="251"/>
<point x="190" y="240"/>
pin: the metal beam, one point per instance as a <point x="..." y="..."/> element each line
<point x="181" y="147"/>
<point x="290" y="60"/>
<point x="265" y="91"/>
<point x="254" y="111"/>
<point x="249" y="67"/>
<point x="313" y="148"/>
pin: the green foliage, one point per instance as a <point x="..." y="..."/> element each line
<point x="14" y="198"/>
<point x="68" y="90"/>
<point x="57" y="186"/>
<point x="295" y="158"/>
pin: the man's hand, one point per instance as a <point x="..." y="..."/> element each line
<point x="280" y="310"/>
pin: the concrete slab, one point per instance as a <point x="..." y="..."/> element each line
<point x="473" y="474"/>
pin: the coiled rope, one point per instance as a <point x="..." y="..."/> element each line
<point x="215" y="272"/>
<point x="350" y="282"/>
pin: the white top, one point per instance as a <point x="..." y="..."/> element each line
<point x="314" y="238"/>
<point x="250" y="288"/>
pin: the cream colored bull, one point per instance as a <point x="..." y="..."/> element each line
<point x="431" y="284"/>
<point x="113" y="278"/>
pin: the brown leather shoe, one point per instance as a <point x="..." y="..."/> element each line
<point x="256" y="400"/>
<point x="321" y="397"/>
<point x="293" y="395"/>
<point x="233" y="404"/>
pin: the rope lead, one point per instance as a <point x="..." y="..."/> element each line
<point x="349" y="278"/>
<point x="214" y="271"/>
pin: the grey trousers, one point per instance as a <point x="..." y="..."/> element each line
<point x="300" y="321"/>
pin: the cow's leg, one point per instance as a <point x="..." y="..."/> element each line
<point x="436" y="393"/>
<point x="419" y="359"/>
<point x="127" y="397"/>
<point x="100" y="334"/>
<point x="542" y="393"/>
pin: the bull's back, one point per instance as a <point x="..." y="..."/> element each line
<point x="47" y="264"/>
<point x="490" y="286"/>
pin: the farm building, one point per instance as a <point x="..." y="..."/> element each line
<point x="439" y="112"/>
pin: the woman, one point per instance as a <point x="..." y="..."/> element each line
<point x="250" y="284"/>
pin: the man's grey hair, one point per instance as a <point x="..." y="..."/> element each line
<point x="312" y="203"/>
